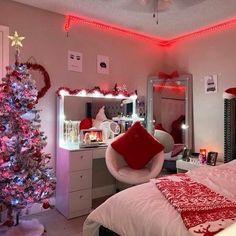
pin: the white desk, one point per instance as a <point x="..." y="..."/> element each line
<point x="74" y="179"/>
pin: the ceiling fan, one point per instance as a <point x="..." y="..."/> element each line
<point x="156" y="6"/>
<point x="146" y="5"/>
<point x="164" y="5"/>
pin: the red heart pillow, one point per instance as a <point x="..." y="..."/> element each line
<point x="137" y="146"/>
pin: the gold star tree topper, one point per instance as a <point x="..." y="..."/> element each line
<point x="16" y="40"/>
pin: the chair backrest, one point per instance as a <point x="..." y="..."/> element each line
<point x="165" y="139"/>
<point x="115" y="162"/>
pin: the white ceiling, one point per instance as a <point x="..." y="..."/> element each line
<point x="175" y="16"/>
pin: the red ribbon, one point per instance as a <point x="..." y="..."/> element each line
<point x="172" y="75"/>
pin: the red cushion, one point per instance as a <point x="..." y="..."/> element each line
<point x="86" y="123"/>
<point x="137" y="146"/>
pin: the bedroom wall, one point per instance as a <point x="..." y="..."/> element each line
<point x="131" y="59"/>
<point x="208" y="54"/>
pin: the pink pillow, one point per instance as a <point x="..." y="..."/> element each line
<point x="137" y="146"/>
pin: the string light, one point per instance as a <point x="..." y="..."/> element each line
<point x="69" y="20"/>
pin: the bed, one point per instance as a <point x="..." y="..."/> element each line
<point x="143" y="210"/>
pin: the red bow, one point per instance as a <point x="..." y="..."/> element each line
<point x="172" y="75"/>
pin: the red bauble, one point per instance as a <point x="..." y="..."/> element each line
<point x="6" y="89"/>
<point x="2" y="128"/>
<point x="36" y="132"/>
<point x="18" y="105"/>
<point x="37" y="154"/>
<point x="46" y="205"/>
<point x="30" y="105"/>
<point x="16" y="168"/>
<point x="6" y="158"/>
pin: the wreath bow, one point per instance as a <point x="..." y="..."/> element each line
<point x="172" y="75"/>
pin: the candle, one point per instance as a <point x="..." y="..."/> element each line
<point x="203" y="151"/>
<point x="202" y="156"/>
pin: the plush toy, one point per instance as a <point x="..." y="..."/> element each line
<point x="100" y="117"/>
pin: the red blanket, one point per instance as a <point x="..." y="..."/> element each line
<point x="203" y="211"/>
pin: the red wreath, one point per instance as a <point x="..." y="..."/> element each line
<point x="46" y="78"/>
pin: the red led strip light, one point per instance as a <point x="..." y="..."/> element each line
<point x="160" y="41"/>
<point x="76" y="19"/>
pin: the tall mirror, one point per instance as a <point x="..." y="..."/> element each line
<point x="169" y="107"/>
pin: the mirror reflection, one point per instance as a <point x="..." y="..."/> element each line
<point x="170" y="108"/>
<point x="89" y="120"/>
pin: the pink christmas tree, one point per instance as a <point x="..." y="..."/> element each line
<point x="25" y="177"/>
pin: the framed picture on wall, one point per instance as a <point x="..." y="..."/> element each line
<point x="210" y="84"/>
<point x="211" y="158"/>
<point x="102" y="64"/>
<point x="75" y="60"/>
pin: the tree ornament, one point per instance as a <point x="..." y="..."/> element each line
<point x="30" y="105"/>
<point x="46" y="205"/>
<point x="16" y="40"/>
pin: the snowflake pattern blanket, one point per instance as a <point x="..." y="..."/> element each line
<point x="204" y="212"/>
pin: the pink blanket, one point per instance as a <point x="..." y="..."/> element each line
<point x="203" y="211"/>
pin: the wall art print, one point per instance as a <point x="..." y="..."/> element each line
<point x="102" y="64"/>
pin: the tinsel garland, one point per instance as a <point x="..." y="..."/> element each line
<point x="95" y="89"/>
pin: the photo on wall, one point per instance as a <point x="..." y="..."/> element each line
<point x="75" y="60"/>
<point x="102" y="64"/>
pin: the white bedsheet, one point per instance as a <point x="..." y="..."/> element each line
<point x="143" y="210"/>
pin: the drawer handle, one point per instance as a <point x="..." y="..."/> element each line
<point x="81" y="176"/>
<point x="81" y="157"/>
<point x="80" y="196"/>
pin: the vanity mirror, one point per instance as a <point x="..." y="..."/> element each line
<point x="169" y="107"/>
<point x="111" y="113"/>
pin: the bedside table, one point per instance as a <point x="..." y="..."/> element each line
<point x="184" y="166"/>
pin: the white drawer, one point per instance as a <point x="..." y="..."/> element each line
<point x="99" y="153"/>
<point x="80" y="160"/>
<point x="80" y="200"/>
<point x="80" y="180"/>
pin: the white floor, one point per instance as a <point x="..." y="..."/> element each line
<point x="57" y="225"/>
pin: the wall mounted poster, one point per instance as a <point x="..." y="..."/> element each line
<point x="102" y="64"/>
<point x="210" y="84"/>
<point x="75" y="60"/>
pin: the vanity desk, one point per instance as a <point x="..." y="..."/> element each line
<point x="77" y="163"/>
<point x="74" y="179"/>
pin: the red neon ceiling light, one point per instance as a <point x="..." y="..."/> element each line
<point x="77" y="19"/>
<point x="69" y="20"/>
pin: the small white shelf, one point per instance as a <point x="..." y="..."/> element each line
<point x="183" y="166"/>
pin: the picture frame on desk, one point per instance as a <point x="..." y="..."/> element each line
<point x="186" y="154"/>
<point x="211" y="158"/>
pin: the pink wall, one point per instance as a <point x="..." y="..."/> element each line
<point x="131" y="60"/>
<point x="212" y="53"/>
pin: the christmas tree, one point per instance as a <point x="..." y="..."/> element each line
<point x="24" y="176"/>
